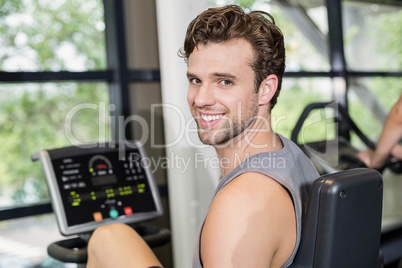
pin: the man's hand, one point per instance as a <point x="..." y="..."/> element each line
<point x="365" y="157"/>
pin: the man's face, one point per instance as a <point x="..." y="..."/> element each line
<point x="221" y="92"/>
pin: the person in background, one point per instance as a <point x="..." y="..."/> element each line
<point x="235" y="64"/>
<point x="388" y="144"/>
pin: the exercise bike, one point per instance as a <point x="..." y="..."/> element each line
<point x="96" y="185"/>
<point x="338" y="154"/>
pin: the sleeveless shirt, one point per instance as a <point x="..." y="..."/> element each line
<point x="291" y="168"/>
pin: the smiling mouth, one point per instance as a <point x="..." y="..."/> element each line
<point x="210" y="118"/>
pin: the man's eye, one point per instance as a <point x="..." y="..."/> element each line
<point x="195" y="81"/>
<point x="226" y="83"/>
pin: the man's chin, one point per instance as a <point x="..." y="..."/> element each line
<point x="222" y="142"/>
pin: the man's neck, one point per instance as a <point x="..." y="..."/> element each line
<point x="257" y="139"/>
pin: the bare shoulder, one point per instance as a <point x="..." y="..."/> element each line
<point x="251" y="223"/>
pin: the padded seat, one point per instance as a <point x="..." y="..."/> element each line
<point x="342" y="225"/>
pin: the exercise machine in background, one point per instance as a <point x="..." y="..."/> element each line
<point x="99" y="184"/>
<point x="337" y="154"/>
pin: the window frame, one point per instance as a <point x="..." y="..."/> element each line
<point x="338" y="64"/>
<point x="118" y="77"/>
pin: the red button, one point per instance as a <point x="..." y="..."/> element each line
<point x="128" y="211"/>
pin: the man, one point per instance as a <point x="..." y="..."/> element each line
<point x="235" y="66"/>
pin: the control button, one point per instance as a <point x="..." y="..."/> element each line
<point x="113" y="213"/>
<point x="98" y="216"/>
<point x="128" y="211"/>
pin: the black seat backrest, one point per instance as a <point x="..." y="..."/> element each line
<point x="342" y="226"/>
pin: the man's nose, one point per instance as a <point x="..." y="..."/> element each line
<point x="205" y="96"/>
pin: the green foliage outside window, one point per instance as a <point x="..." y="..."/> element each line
<point x="47" y="35"/>
<point x="52" y="35"/>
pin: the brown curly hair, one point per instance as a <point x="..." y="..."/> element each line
<point x="223" y="24"/>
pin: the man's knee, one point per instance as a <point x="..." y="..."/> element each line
<point x="106" y="234"/>
<point x="110" y="229"/>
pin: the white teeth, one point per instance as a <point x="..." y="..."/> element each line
<point x="209" y="118"/>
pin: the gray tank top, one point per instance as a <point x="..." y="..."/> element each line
<point x="291" y="168"/>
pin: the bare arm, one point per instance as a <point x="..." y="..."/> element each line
<point x="391" y="134"/>
<point x="251" y="223"/>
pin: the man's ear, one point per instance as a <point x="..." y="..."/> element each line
<point x="267" y="89"/>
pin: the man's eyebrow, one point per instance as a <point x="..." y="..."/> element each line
<point x="190" y="75"/>
<point x="217" y="74"/>
<point x="224" y="75"/>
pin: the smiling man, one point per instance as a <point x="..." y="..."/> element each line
<point x="235" y="66"/>
<point x="220" y="97"/>
<point x="230" y="113"/>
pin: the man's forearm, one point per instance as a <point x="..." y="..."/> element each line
<point x="390" y="136"/>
